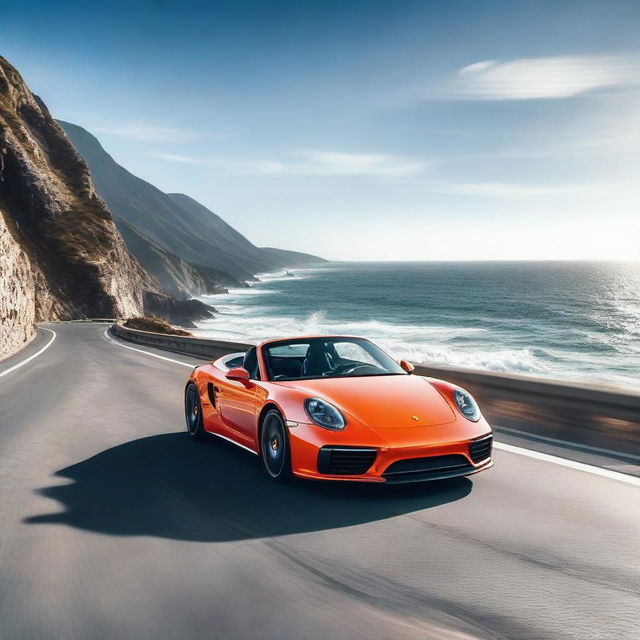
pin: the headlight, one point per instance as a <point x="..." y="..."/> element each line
<point x="324" y="414"/>
<point x="466" y="405"/>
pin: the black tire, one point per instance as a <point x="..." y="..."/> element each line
<point x="274" y="447"/>
<point x="193" y="412"/>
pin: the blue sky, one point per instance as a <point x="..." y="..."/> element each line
<point x="363" y="130"/>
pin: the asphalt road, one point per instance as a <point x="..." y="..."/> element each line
<point x="114" y="525"/>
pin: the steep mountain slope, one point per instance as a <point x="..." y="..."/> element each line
<point x="290" y="258"/>
<point x="175" y="222"/>
<point x="62" y="256"/>
<point x="177" y="277"/>
<point x="268" y="259"/>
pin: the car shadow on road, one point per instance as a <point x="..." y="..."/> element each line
<point x="170" y="487"/>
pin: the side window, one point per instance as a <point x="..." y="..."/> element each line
<point x="250" y="363"/>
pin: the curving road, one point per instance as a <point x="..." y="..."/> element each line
<point x="114" y="525"/>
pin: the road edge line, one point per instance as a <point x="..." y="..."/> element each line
<point x="571" y="464"/>
<point x="32" y="356"/>
<point x="149" y="353"/>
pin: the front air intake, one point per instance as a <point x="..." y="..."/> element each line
<point x="429" y="468"/>
<point x="345" y="461"/>
<point x="480" y="449"/>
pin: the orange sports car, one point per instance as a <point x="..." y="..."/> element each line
<point x="338" y="408"/>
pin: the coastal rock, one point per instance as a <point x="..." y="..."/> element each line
<point x="154" y="325"/>
<point x="179" y="312"/>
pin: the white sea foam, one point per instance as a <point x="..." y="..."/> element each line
<point x="251" y="320"/>
<point x="514" y="360"/>
<point x="281" y="276"/>
<point x="419" y="344"/>
<point x="252" y="290"/>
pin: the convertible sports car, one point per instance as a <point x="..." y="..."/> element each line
<point x="338" y="408"/>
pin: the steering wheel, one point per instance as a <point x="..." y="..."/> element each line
<point x="351" y="368"/>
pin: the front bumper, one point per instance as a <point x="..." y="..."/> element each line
<point x="390" y="464"/>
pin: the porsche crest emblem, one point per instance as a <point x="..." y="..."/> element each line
<point x="416" y="418"/>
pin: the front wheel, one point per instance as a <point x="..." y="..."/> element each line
<point x="193" y="412"/>
<point x="274" y="447"/>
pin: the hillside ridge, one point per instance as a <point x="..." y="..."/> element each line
<point x="177" y="225"/>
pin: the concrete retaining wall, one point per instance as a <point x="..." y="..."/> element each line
<point x="607" y="418"/>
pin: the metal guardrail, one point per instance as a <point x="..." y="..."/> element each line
<point x="602" y="417"/>
<point x="199" y="347"/>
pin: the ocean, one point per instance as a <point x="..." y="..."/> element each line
<point x="572" y="321"/>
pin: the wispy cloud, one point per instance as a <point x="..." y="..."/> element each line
<point x="313" y="163"/>
<point x="334" y="163"/>
<point x="142" y="132"/>
<point x="537" y="78"/>
<point x="175" y="157"/>
<point x="515" y="190"/>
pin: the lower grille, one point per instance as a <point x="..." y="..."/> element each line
<point x="480" y="449"/>
<point x="432" y="467"/>
<point x="345" y="461"/>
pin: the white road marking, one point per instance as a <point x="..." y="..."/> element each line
<point x="529" y="453"/>
<point x="571" y="464"/>
<point x="586" y="447"/>
<point x="31" y="357"/>
<point x="149" y="353"/>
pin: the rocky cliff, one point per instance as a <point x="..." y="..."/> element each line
<point x="17" y="294"/>
<point x="61" y="255"/>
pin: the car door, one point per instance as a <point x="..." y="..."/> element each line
<point x="237" y="404"/>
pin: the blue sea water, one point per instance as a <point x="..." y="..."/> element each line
<point x="574" y="321"/>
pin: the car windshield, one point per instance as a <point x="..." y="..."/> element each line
<point x="334" y="357"/>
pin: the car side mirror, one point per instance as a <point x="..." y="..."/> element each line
<point x="407" y="366"/>
<point x="237" y="373"/>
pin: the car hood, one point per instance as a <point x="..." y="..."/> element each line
<point x="382" y="402"/>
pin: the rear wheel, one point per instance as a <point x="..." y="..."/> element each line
<point x="193" y="412"/>
<point x="274" y="447"/>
